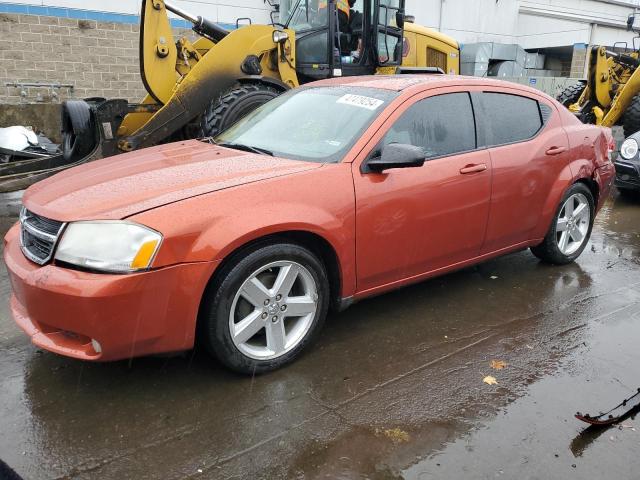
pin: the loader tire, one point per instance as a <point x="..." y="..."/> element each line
<point x="571" y="94"/>
<point x="631" y="117"/>
<point x="233" y="105"/>
<point x="77" y="129"/>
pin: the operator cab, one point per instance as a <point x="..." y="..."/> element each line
<point x="332" y="43"/>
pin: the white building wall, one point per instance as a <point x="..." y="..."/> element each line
<point x="532" y="23"/>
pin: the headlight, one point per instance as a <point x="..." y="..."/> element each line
<point x="279" y="36"/>
<point x="629" y="149"/>
<point x="110" y="246"/>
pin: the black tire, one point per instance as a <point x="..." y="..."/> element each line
<point x="214" y="322"/>
<point x="631" y="117"/>
<point x="571" y="94"/>
<point x="78" y="136"/>
<point x="232" y="106"/>
<point x="548" y="251"/>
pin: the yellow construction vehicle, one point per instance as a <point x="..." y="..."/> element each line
<point x="199" y="88"/>
<point x="610" y="95"/>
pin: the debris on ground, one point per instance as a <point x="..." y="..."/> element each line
<point x="616" y="414"/>
<point x="396" y="435"/>
<point x="22" y="143"/>
<point x="498" y="364"/>
<point x="489" y="380"/>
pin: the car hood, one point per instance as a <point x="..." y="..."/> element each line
<point x="117" y="187"/>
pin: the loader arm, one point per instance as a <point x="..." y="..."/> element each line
<point x="622" y="100"/>
<point x="217" y="70"/>
<point x="158" y="51"/>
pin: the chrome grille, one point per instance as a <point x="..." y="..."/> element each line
<point x="38" y="236"/>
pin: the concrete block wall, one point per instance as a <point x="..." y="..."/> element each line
<point x="99" y="59"/>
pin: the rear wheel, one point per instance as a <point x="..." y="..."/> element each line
<point x="571" y="228"/>
<point x="266" y="307"/>
<point x="571" y="94"/>
<point x="233" y="105"/>
<point x="631" y="117"/>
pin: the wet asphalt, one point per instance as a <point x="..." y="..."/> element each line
<point x="393" y="389"/>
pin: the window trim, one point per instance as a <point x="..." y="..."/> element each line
<point x="486" y="133"/>
<point x="375" y="151"/>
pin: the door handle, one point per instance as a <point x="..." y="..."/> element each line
<point x="481" y="167"/>
<point x="556" y="150"/>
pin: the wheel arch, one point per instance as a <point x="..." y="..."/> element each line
<point x="312" y="241"/>
<point x="267" y="81"/>
<point x="565" y="180"/>
<point x="593" y="187"/>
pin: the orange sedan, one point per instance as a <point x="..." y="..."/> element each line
<point x="325" y="195"/>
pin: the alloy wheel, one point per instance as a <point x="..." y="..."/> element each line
<point x="273" y="310"/>
<point x="572" y="225"/>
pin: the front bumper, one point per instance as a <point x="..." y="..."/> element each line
<point x="63" y="310"/>
<point x="627" y="175"/>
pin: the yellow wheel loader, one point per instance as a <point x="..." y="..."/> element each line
<point x="199" y="88"/>
<point x="611" y="94"/>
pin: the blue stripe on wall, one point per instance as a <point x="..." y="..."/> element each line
<point x="87" y="14"/>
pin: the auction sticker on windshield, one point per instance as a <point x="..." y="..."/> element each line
<point x="360" y="101"/>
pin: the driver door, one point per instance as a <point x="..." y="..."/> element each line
<point x="413" y="221"/>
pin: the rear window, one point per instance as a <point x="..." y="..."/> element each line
<point x="441" y="125"/>
<point x="512" y="118"/>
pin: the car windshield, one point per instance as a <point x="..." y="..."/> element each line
<point x="318" y="124"/>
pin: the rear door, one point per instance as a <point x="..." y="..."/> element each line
<point x="416" y="220"/>
<point x="529" y="148"/>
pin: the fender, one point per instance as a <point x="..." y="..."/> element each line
<point x="565" y="179"/>
<point x="268" y="81"/>
<point x="233" y="232"/>
<point x="221" y="222"/>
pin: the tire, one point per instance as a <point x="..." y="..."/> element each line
<point x="551" y="249"/>
<point x="77" y="129"/>
<point x="571" y="94"/>
<point x="631" y="117"/>
<point x="232" y="106"/>
<point x="259" y="350"/>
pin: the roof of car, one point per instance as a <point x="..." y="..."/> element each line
<point x="399" y="83"/>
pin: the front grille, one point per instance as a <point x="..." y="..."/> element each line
<point x="38" y="236"/>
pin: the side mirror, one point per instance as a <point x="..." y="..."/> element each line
<point x="632" y="23"/>
<point x="400" y="19"/>
<point x="396" y="155"/>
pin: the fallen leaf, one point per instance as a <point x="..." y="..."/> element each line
<point x="498" y="364"/>
<point x="395" y="435"/>
<point x="489" y="380"/>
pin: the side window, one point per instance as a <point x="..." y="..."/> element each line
<point x="512" y="118"/>
<point x="441" y="125"/>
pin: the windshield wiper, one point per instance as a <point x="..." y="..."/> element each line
<point x="247" y="148"/>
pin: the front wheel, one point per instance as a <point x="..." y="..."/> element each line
<point x="237" y="102"/>
<point x="571" y="228"/>
<point x="265" y="308"/>
<point x="571" y="94"/>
